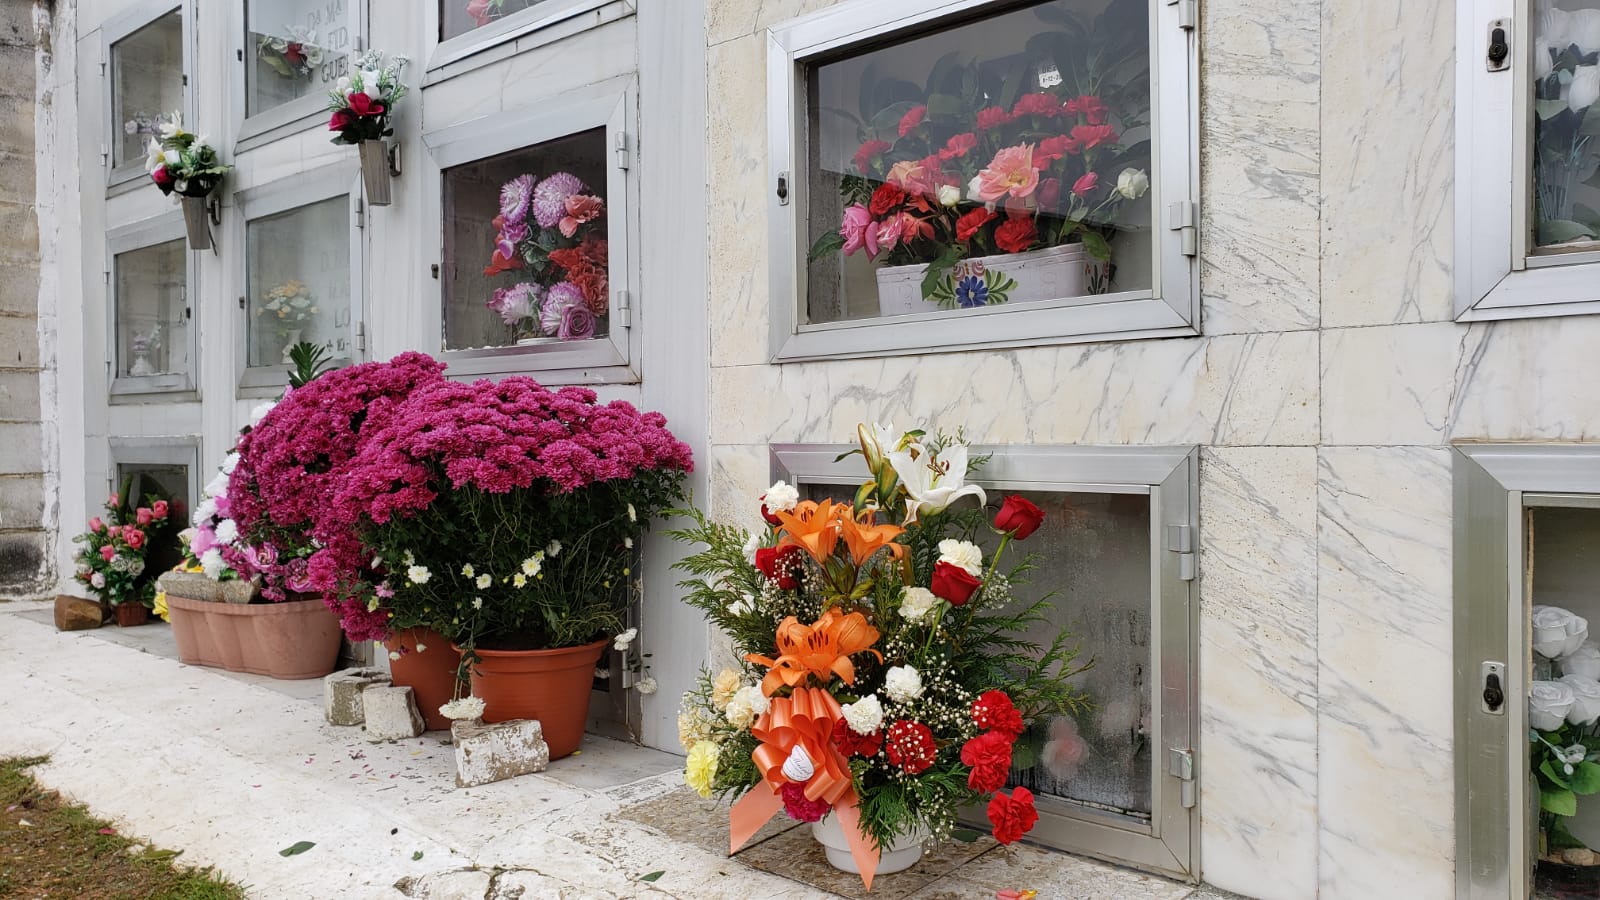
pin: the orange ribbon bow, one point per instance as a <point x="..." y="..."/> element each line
<point x="822" y="650"/>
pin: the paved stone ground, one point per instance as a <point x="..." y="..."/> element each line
<point x="233" y="768"/>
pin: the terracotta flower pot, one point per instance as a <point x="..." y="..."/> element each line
<point x="430" y="673"/>
<point x="130" y="614"/>
<point x="549" y="685"/>
<point x="291" y="640"/>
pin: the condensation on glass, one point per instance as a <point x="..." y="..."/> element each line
<point x="457" y="17"/>
<point x="1010" y="153"/>
<point x="1566" y="126"/>
<point x="146" y="83"/>
<point x="294" y="49"/>
<point x="151" y="303"/>
<point x="298" y="281"/>
<point x="526" y="255"/>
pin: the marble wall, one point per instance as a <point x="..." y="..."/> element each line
<point x="1325" y="391"/>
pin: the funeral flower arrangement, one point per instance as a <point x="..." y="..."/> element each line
<point x="889" y="668"/>
<point x="294" y="56"/>
<point x="112" y="562"/>
<point x="1564" y="727"/>
<point x="362" y="101"/>
<point x="182" y="162"/>
<point x="553" y="230"/>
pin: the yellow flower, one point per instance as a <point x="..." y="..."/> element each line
<point x="722" y="689"/>
<point x="692" y="728"/>
<point x="519" y="580"/>
<point x="160" y="607"/>
<point x="701" y="768"/>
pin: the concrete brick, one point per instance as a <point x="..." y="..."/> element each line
<point x="16" y="123"/>
<point x="22" y="562"/>
<point x="21" y="448"/>
<point x="16" y="25"/>
<point x="19" y="229"/>
<point x="390" y="713"/>
<point x="488" y="753"/>
<point x="17" y="177"/>
<point x="19" y="287"/>
<point x="18" y="70"/>
<point x="19" y="396"/>
<point x="341" y="694"/>
<point x="21" y="501"/>
<point x="19" y="342"/>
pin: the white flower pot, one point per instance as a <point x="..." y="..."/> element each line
<point x="1049" y="274"/>
<point x="897" y="857"/>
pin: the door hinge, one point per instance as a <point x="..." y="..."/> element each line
<point x="1180" y="765"/>
<point x="1181" y="217"/>
<point x="624" y="304"/>
<point x="105" y="155"/>
<point x="361" y="336"/>
<point x="624" y="156"/>
<point x="1188" y="13"/>
<point x="107" y="273"/>
<point x="1180" y="540"/>
<point x="361" y="213"/>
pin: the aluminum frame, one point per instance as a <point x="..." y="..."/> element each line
<point x="168" y="387"/>
<point x="131" y="175"/>
<point x="1493" y="484"/>
<point x="523" y="30"/>
<point x="1170" y="842"/>
<point x="289" y="118"/>
<point x="1169" y="309"/>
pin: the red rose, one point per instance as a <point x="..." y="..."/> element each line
<point x="1016" y="234"/>
<point x="960" y="145"/>
<point x="769" y="515"/>
<point x="867" y="153"/>
<point x="778" y="564"/>
<point x="952" y="583"/>
<point x="1053" y="148"/>
<point x="968" y="224"/>
<point x="852" y="744"/>
<point x="993" y="117"/>
<point x="1086" y="184"/>
<point x="912" y="119"/>
<point x="885" y="198"/>
<point x="1018" y="517"/>
<point x="362" y="105"/>
<point x="595" y="285"/>
<point x="134" y="537"/>
<point x="910" y="746"/>
<point x="994" y="711"/>
<point x="295" y="54"/>
<point x="989" y="755"/>
<point x="1013" y="816"/>
<point x="340" y="120"/>
<point x="160" y="175"/>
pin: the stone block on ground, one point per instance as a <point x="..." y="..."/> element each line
<point x="341" y="694"/>
<point x="489" y="753"/>
<point x="390" y="713"/>
<point x="197" y="586"/>
<point x="77" y="614"/>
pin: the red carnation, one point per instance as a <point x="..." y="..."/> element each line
<point x="993" y="117"/>
<point x="912" y="119"/>
<point x="1037" y="105"/>
<point x="1090" y="107"/>
<point x="1016" y="234"/>
<point x="994" y="711"/>
<point x="989" y="755"/>
<point x="798" y="807"/>
<point x="1013" y="816"/>
<point x="1093" y="135"/>
<point x="969" y="223"/>
<point x="910" y="746"/>
<point x="952" y="583"/>
<point x="959" y="145"/>
<point x="885" y="198"/>
<point x="362" y="105"/>
<point x="867" y="153"/>
<point x="852" y="744"/>
<point x="778" y="564"/>
<point x="1019" y="517"/>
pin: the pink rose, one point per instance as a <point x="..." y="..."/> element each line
<point x="96" y="526"/>
<point x="859" y="232"/>
<point x="479" y="11"/>
<point x="107" y="552"/>
<point x="134" y="537"/>
<point x="889" y="233"/>
<point x="143" y="516"/>
<point x="581" y="208"/>
<point x="1086" y="184"/>
<point x="114" y="500"/>
<point x="160" y="509"/>
<point x="1010" y="172"/>
<point x="1065" y="749"/>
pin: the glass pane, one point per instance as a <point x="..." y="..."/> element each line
<point x="1010" y="150"/>
<point x="151" y="297"/>
<point x="297" y="48"/>
<point x="1562" y="565"/>
<point x="299" y="281"/>
<point x="141" y="483"/>
<point x="146" y="81"/>
<point x="525" y="247"/>
<point x="1566" y="127"/>
<point x="457" y="17"/>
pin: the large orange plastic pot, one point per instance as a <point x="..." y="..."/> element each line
<point x="430" y="672"/>
<point x="549" y="685"/>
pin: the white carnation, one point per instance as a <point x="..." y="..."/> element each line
<point x="781" y="497"/>
<point x="962" y="553"/>
<point x="260" y="412"/>
<point x="647" y="685"/>
<point x="211" y="563"/>
<point x="205" y="511"/>
<point x="864" y="716"/>
<point x="918" y="603"/>
<point x="903" y="684"/>
<point x="745" y="706"/>
<point x="218" y="485"/>
<point x="625" y="640"/>
<point x="751" y="546"/>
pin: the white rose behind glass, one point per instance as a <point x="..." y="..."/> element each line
<point x="1585" y="88"/>
<point x="1583" y="661"/>
<point x="1585" y="699"/>
<point x="1548" y="704"/>
<point x="1557" y="632"/>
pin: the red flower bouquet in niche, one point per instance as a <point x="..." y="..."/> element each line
<point x="902" y="672"/>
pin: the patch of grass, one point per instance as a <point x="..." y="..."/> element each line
<point x="50" y="848"/>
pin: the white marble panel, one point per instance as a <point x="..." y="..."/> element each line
<point x="1532" y="379"/>
<point x="1393" y="384"/>
<point x="727" y="19"/>
<point x="1388" y="80"/>
<point x="1260" y="166"/>
<point x="1385" y="713"/>
<point x="1258" y="670"/>
<point x="1231" y="390"/>
<point x="737" y="197"/>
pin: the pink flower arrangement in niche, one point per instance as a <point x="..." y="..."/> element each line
<point x="554" y="229"/>
<point x="112" y="561"/>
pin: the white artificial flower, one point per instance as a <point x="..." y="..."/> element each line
<point x="1585" y="699"/>
<point x="369" y="83"/>
<point x="227" y="531"/>
<point x="1552" y="29"/>
<point x="260" y="411"/>
<point x="418" y="574"/>
<point x="477" y="603"/>
<point x="1132" y="183"/>
<point x="632" y="516"/>
<point x="202" y="139"/>
<point x="746" y="705"/>
<point x="751" y="546"/>
<point x="975" y="188"/>
<point x="468" y="571"/>
<point x="741" y="606"/>
<point x="1548" y="704"/>
<point x="153" y="156"/>
<point x="218" y="485"/>
<point x="343" y="84"/>
<point x="205" y="510"/>
<point x="1585" y="87"/>
<point x="918" y="604"/>
<point x="1583" y="661"/>
<point x="780" y="497"/>
<point x="463" y="709"/>
<point x="949" y="195"/>
<point x="933" y="484"/>
<point x="624" y="640"/>
<point x="170" y="127"/>
<point x="484" y="581"/>
<point x="646" y="685"/>
<point x="964" y="554"/>
<point x="211" y="563"/>
<point x="627" y="543"/>
<point x="98" y="580"/>
<point x="532" y="565"/>
<point x="230" y="462"/>
<point x="864" y="716"/>
<point x="1557" y="632"/>
<point x="1583" y="29"/>
<point x="903" y="684"/>
<point x="171" y="157"/>
<point x="554" y="550"/>
<point x="1543" y="65"/>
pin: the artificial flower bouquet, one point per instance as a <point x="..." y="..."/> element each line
<point x="362" y="101"/>
<point x="288" y="308"/>
<point x="1564" y="732"/>
<point x="181" y="162"/>
<point x="295" y="56"/>
<point x="553" y="230"/>
<point x="889" y="669"/>
<point x="1566" y="85"/>
<point x="113" y="561"/>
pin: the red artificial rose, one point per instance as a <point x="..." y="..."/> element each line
<point x="851" y="744"/>
<point x="769" y="515"/>
<point x="885" y="198"/>
<point x="1086" y="184"/>
<point x="160" y="175"/>
<point x="501" y="263"/>
<point x="340" y="120"/>
<point x="134" y="537"/>
<point x="294" y="54"/>
<point x="960" y="145"/>
<point x="596" y="287"/>
<point x="952" y="583"/>
<point x="1013" y="816"/>
<point x="994" y="711"/>
<point x="362" y="105"/>
<point x="912" y="119"/>
<point x="1093" y="135"/>
<point x="1016" y="234"/>
<point x="779" y="565"/>
<point x="143" y="515"/>
<point x="1037" y="105"/>
<point x="993" y="117"/>
<point x="1019" y="517"/>
<point x="910" y="746"/>
<point x="969" y="223"/>
<point x="989" y="756"/>
<point x="867" y="153"/>
<point x="569" y="258"/>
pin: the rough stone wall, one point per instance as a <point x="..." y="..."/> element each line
<point x="24" y="559"/>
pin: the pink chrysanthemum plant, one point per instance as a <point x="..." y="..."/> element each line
<point x="504" y="515"/>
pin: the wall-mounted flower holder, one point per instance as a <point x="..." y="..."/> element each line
<point x="199" y="214"/>
<point x="380" y="163"/>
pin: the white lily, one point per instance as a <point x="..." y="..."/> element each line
<point x="934" y="482"/>
<point x="153" y="155"/>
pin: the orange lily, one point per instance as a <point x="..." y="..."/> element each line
<point x="863" y="538"/>
<point x="822" y="649"/>
<point x="813" y="526"/>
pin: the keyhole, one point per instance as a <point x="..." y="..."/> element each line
<point x="1493" y="696"/>
<point x="1498" y="48"/>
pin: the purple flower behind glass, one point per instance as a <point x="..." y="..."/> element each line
<point x="550" y="198"/>
<point x="577" y="323"/>
<point x="556" y="302"/>
<point x="514" y="198"/>
<point x="515" y="303"/>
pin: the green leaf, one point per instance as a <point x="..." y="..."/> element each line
<point x="1591" y="120"/>
<point x="1096" y="246"/>
<point x="947" y="106"/>
<point x="1559" y="231"/>
<point x="829" y="242"/>
<point x="1585" y="779"/>
<point x="1549" y="109"/>
<point x="886" y="123"/>
<point x="936" y="269"/>
<point x="1562" y="803"/>
<point x="1549" y="770"/>
<point x="297" y="848"/>
<point x="652" y="876"/>
<point x="940" y="74"/>
<point x="965" y="835"/>
<point x="416" y="856"/>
